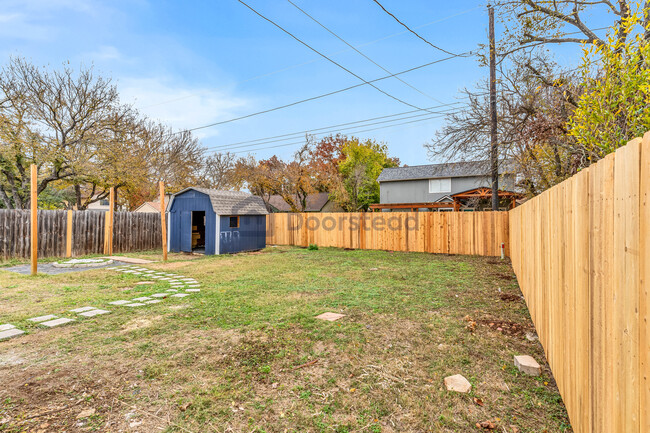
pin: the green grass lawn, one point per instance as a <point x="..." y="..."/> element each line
<point x="247" y="354"/>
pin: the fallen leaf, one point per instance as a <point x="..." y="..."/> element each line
<point x="514" y="428"/>
<point x="478" y="401"/>
<point x="86" y="413"/>
<point x="488" y="425"/>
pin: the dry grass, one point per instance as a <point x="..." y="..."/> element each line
<point x="247" y="355"/>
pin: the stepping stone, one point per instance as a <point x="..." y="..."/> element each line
<point x="6" y="327"/>
<point x="57" y="322"/>
<point x="330" y="317"/>
<point x="187" y="279"/>
<point x="172" y="290"/>
<point x="144" y="282"/>
<point x="457" y="383"/>
<point x="119" y="302"/>
<point x="160" y="295"/>
<point x="82" y="309"/>
<point x="527" y="364"/>
<point x="156" y="276"/>
<point x="10" y="333"/>
<point x="42" y="318"/>
<point x="180" y="295"/>
<point x="153" y="301"/>
<point x="94" y="313"/>
<point x="135" y="304"/>
<point x="142" y="298"/>
<point x="165" y="279"/>
<point x="192" y="290"/>
<point x="194" y="285"/>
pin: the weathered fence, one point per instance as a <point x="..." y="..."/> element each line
<point x="580" y="252"/>
<point x="476" y="233"/>
<point x="132" y="232"/>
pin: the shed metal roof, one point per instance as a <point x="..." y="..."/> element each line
<point x="231" y="202"/>
<point x="432" y="171"/>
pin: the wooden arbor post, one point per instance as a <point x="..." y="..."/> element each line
<point x="108" y="224"/>
<point x="162" y="220"/>
<point x="34" y="219"/>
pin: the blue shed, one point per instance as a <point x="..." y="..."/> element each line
<point x="210" y="221"/>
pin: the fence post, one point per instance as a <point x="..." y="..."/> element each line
<point x="162" y="220"/>
<point x="34" y="219"/>
<point x="68" y="236"/>
<point x="111" y="213"/>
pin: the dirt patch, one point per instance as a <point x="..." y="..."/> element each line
<point x="510" y="297"/>
<point x="504" y="326"/>
<point x="504" y="276"/>
<point x="55" y="399"/>
<point x="140" y="323"/>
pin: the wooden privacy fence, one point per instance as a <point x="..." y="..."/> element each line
<point x="75" y="233"/>
<point x="580" y="252"/>
<point x="476" y="233"/>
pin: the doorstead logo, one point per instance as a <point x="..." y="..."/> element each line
<point x="366" y="222"/>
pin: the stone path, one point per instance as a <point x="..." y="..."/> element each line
<point x="176" y="282"/>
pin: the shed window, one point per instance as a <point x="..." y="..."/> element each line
<point x="440" y="185"/>
<point x="234" y="222"/>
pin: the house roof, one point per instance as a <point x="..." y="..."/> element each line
<point x="154" y="204"/>
<point x="314" y="202"/>
<point x="432" y="171"/>
<point x="230" y="202"/>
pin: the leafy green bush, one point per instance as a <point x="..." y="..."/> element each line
<point x="312" y="247"/>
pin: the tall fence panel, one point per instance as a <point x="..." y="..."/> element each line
<point x="132" y="232"/>
<point x="580" y="252"/>
<point x="475" y="233"/>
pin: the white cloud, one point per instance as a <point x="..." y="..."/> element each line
<point x="181" y="107"/>
<point x="106" y="52"/>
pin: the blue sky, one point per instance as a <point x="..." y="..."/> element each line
<point x="191" y="63"/>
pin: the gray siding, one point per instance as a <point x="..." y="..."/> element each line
<point x="417" y="191"/>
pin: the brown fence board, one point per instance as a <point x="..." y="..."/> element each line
<point x="133" y="232"/>
<point x="475" y="233"/>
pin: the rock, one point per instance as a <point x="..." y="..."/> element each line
<point x="86" y="413"/>
<point x="330" y="317"/>
<point x="10" y="333"/>
<point x="530" y="336"/>
<point x="457" y="383"/>
<point x="57" y="322"/>
<point x="527" y="364"/>
<point x="93" y="313"/>
<point x="42" y="318"/>
<point x="133" y="424"/>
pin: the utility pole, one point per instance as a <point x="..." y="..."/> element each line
<point x="494" y="147"/>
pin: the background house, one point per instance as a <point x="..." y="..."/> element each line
<point x="152" y="206"/>
<point x="406" y="187"/>
<point x="210" y="221"/>
<point x="319" y="202"/>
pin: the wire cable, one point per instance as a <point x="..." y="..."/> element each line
<point x="413" y="31"/>
<point x="314" y="98"/>
<point x="306" y="131"/>
<point x="326" y="131"/>
<point x="383" y="38"/>
<point x="326" y="57"/>
<point x="365" y="130"/>
<point x="359" y="52"/>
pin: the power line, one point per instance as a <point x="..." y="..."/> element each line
<point x="305" y="131"/>
<point x="325" y="57"/>
<point x="383" y="38"/>
<point x="323" y="131"/>
<point x="365" y="130"/>
<point x="412" y="31"/>
<point x="314" y="97"/>
<point x="359" y="52"/>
